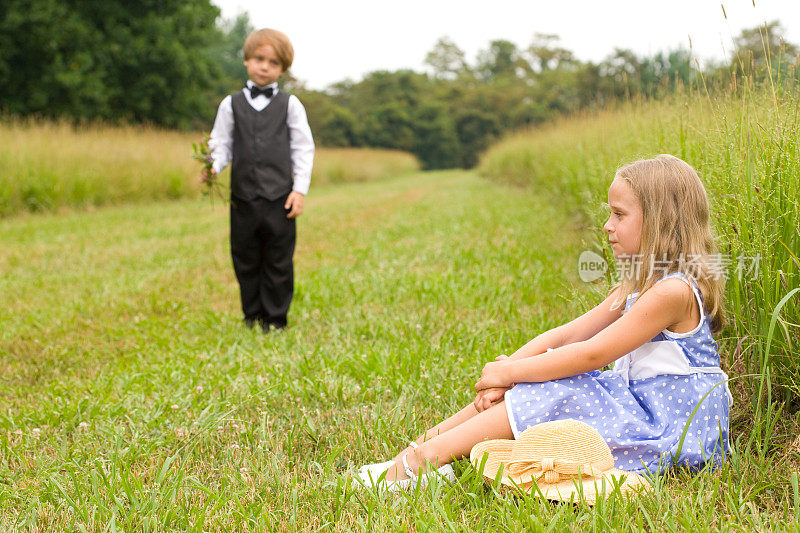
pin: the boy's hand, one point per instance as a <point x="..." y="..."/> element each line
<point x="206" y="175"/>
<point x="294" y="202"/>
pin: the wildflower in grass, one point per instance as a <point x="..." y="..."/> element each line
<point x="36" y="433"/>
<point x="199" y="389"/>
<point x="83" y="425"/>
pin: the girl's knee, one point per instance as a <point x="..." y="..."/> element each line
<point x="432" y="453"/>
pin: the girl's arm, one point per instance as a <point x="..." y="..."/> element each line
<point x="657" y="309"/>
<point x="580" y="329"/>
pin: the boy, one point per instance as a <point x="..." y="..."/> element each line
<point x="264" y="132"/>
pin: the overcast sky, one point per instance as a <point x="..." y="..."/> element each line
<point x="337" y="40"/>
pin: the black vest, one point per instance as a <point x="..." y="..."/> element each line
<point x="262" y="166"/>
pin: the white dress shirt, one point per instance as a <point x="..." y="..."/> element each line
<point x="301" y="143"/>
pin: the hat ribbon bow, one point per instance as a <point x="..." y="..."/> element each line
<point x="553" y="470"/>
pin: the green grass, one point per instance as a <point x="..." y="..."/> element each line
<point x="134" y="399"/>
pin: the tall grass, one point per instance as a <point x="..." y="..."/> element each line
<point x="746" y="148"/>
<point x="47" y="165"/>
<point x="50" y="165"/>
<point x="348" y="165"/>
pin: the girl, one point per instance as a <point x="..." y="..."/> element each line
<point x="665" y="401"/>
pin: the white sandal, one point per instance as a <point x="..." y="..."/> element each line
<point x="368" y="479"/>
<point x="379" y="468"/>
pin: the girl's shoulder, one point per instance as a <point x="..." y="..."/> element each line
<point x="672" y="291"/>
<point x="674" y="288"/>
<point x="679" y="284"/>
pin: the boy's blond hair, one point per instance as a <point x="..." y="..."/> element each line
<point x="276" y="39"/>
<point x="676" y="231"/>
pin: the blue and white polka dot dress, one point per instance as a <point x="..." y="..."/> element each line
<point x="665" y="403"/>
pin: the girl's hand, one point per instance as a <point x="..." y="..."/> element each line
<point x="493" y="375"/>
<point x="489" y="397"/>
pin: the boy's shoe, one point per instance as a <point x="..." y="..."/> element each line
<point x="269" y="327"/>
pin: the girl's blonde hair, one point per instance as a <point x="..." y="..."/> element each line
<point x="676" y="231"/>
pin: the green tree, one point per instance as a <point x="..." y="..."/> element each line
<point x="226" y="50"/>
<point x="623" y="69"/>
<point x="144" y="60"/>
<point x="391" y="126"/>
<point x="545" y="53"/>
<point x="761" y="46"/>
<point x="500" y="60"/>
<point x="331" y="123"/>
<point x="476" y="130"/>
<point x="341" y="128"/>
<point x="446" y="59"/>
<point x="664" y="71"/>
<point x="757" y="45"/>
<point x="436" y="142"/>
<point x="49" y="63"/>
<point x="593" y="88"/>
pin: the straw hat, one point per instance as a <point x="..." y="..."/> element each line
<point x="566" y="459"/>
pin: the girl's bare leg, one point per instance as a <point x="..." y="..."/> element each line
<point x="445" y="425"/>
<point x="454" y="439"/>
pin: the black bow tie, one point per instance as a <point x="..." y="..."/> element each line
<point x="255" y="91"/>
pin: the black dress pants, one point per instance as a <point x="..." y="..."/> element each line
<point x="262" y="246"/>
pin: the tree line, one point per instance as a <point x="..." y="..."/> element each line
<point x="449" y="116"/>
<point x="169" y="62"/>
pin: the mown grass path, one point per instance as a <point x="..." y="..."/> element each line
<point x="130" y="393"/>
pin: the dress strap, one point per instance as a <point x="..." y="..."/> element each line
<point x="692" y="285"/>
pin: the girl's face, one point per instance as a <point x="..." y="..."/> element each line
<point x="624" y="225"/>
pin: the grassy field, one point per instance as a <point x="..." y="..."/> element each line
<point x="134" y="399"/>
<point x="49" y="166"/>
